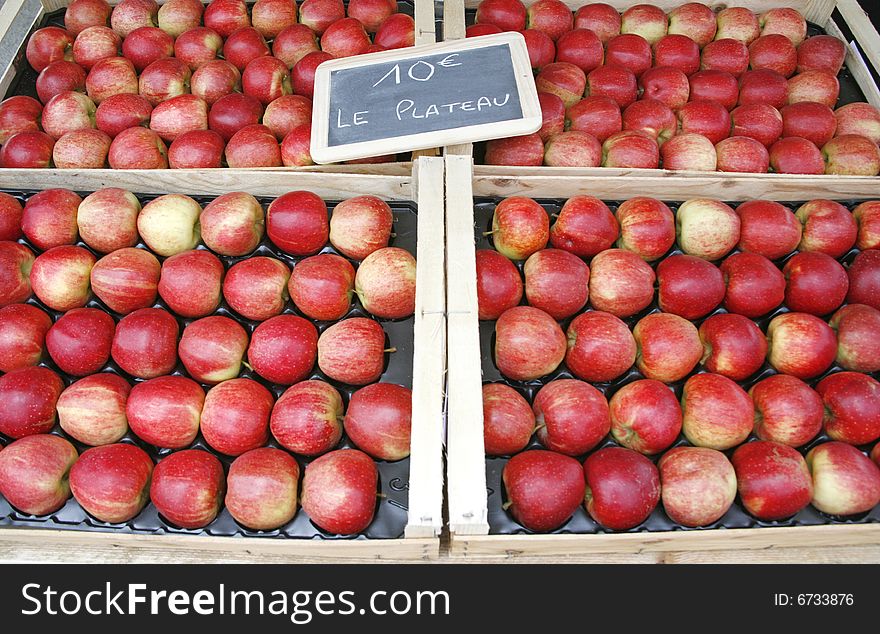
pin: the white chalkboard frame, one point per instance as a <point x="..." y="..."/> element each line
<point x="530" y="122"/>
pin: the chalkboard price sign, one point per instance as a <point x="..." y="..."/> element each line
<point x="429" y="96"/>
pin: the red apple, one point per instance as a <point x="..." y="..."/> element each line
<point x="788" y="22"/>
<point x="622" y="488"/>
<point x="647" y="227"/>
<point x="371" y="13"/>
<point x="553" y="115"/>
<point x="845" y="481"/>
<point x="23" y="331"/>
<point x="573" y="148"/>
<point x="520" y="227"/>
<point x="198" y="46"/>
<point x="563" y="79"/>
<point x="653" y="117"/>
<point x="29" y="395"/>
<point x="235" y="417"/>
<point x="551" y="16"/>
<point x="307" y="418"/>
<point x="165" y="411"/>
<point x="130" y="15"/>
<point x="138" y="148"/>
<point x="378" y="420"/>
<point x="397" y="31"/>
<point x="773" y="480"/>
<point x="196" y="149"/>
<point x="319" y="14"/>
<point x="190" y="283"/>
<point x="92" y="409"/>
<point x="16" y="261"/>
<point x="345" y="37"/>
<point x="603" y="19"/>
<point x="665" y="84"/>
<point x="81" y="149"/>
<point x="714" y="85"/>
<point x="146" y="44"/>
<point x="297" y="221"/>
<point x="708" y="118"/>
<point x="631" y="149"/>
<point x="19" y="114"/>
<point x="321" y="286"/>
<point x="689" y="152"/>
<point x="80" y="341"/>
<point x="339" y="491"/>
<point x="852" y="407"/>
<point x="525" y="150"/>
<point x="59" y="77"/>
<point x="120" y="112"/>
<point x="754" y="285"/>
<point x="773" y="52"/>
<point x="47" y="45"/>
<point x="262" y="488"/>
<point x="669" y="347"/>
<point x="169" y="224"/>
<point x="600" y="347"/>
<point x="598" y="115"/>
<point x="677" y="51"/>
<point x="176" y="17"/>
<point x="244" y="46"/>
<point x="689" y="286"/>
<point x="809" y="120"/>
<point x="286" y="113"/>
<point x="787" y="410"/>
<point x="49" y="218"/>
<point x="60" y="277"/>
<point x="814" y="85"/>
<point x="232" y="224"/>
<point x="10" y="218"/>
<point x="283" y="349"/>
<point x="858" y="337"/>
<point x="768" y="228"/>
<point x="866" y="214"/>
<point x="857" y="118"/>
<point x="725" y="54"/>
<point x="816" y="283"/>
<point x="253" y="146"/>
<point x="178" y="115"/>
<point x="572" y="416"/>
<point x="621" y="282"/>
<point x="716" y="412"/>
<point x="34" y="473"/>
<point x="270" y="17"/>
<point x="293" y="43"/>
<point x="302" y="75"/>
<point x="645" y="416"/>
<point x="694" y="20"/>
<point x="544" y="488"/>
<point x="112" y="482"/>
<point x="851" y="155"/>
<point x="698" y="485"/>
<point x="81" y="14"/>
<point x="585" y="226"/>
<point x="829" y="227"/>
<point x="226" y="16"/>
<point x="352" y="351"/>
<point x="542" y="50"/>
<point x="742" y="154"/>
<point x="763" y="86"/>
<point x="557" y="282"/>
<point x="358" y="226"/>
<point x="616" y="82"/>
<point x="386" y="283"/>
<point x="212" y="349"/>
<point x="800" y="344"/>
<point x="296" y="147"/>
<point x="528" y="343"/>
<point x="738" y="23"/>
<point x="145" y="343"/>
<point x="707" y="228"/>
<point x="733" y="346"/>
<point x="508" y="420"/>
<point x="630" y="51"/>
<point x="126" y="279"/>
<point x="187" y="488"/>
<point x="758" y="121"/>
<point x="821" y="52"/>
<point x="111" y="76"/>
<point x="508" y="15"/>
<point x="164" y="79"/>
<point x="66" y="112"/>
<point x="232" y="113"/>
<point x="864" y="279"/>
<point x="216" y="79"/>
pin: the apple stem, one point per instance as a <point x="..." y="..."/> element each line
<point x="247" y="365"/>
<point x="538" y="428"/>
<point x="381" y="496"/>
<point x="390" y="350"/>
<point x="506" y="505"/>
<point x="488" y="233"/>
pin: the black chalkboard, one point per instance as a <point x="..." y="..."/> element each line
<point x="391" y="102"/>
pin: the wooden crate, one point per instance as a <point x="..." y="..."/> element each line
<point x="466" y="462"/>
<point x="425" y="497"/>
<point x="19" y="18"/>
<point x="818" y="12"/>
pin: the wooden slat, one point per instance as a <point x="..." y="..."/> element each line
<point x="857" y="65"/>
<point x="465" y="453"/>
<point x="819" y="11"/>
<point x="745" y="539"/>
<point x="429" y="359"/>
<point x="454" y="29"/>
<point x="758" y="6"/>
<point x="862" y="29"/>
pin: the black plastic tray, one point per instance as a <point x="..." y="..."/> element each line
<point x="501" y="522"/>
<point x="391" y="506"/>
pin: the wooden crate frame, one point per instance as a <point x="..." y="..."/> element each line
<point x="18" y="18"/>
<point x="815" y="11"/>
<point x="424" y="186"/>
<point x="466" y="463"/>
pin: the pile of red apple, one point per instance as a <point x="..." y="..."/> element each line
<point x="186" y="85"/>
<point x="738" y="328"/>
<point x="688" y="90"/>
<point x="187" y="343"/>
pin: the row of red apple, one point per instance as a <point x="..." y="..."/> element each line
<point x="620" y="488"/>
<point x="172" y="85"/>
<point x="652" y="77"/>
<point x="113" y="483"/>
<point x="193" y="282"/>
